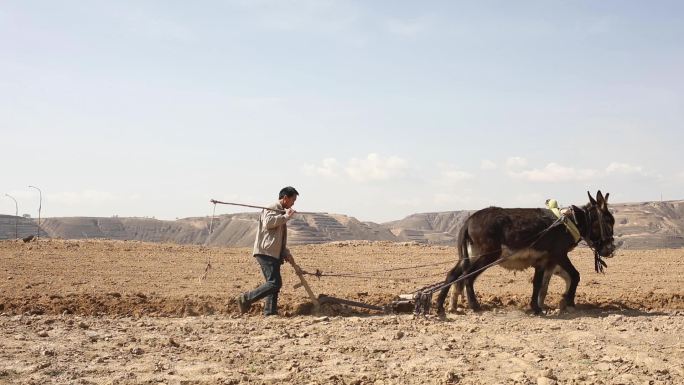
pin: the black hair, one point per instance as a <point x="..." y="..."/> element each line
<point x="288" y="191"/>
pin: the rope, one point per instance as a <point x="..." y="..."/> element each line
<point x="431" y="289"/>
<point x="423" y="296"/>
<point x="537" y="237"/>
<point x="364" y="274"/>
<point x="406" y="279"/>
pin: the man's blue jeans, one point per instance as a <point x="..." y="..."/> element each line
<point x="270" y="267"/>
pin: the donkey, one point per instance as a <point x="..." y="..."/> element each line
<point x="522" y="238"/>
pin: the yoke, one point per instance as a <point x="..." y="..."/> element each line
<point x="552" y="205"/>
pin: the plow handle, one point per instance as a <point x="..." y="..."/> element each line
<point x="303" y="282"/>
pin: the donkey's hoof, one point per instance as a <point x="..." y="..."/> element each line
<point x="564" y="306"/>
<point x="568" y="309"/>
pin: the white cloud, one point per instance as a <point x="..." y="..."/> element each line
<point x="375" y="167"/>
<point x="515" y="162"/>
<point x="457" y="175"/>
<point x="488" y="165"/>
<point x="528" y="200"/>
<point x="554" y="172"/>
<point x="451" y="175"/>
<point x="328" y="168"/>
<point x="624" y="168"/>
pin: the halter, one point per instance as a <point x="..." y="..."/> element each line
<point x="599" y="263"/>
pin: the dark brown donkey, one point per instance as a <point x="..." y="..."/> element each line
<point x="523" y="238"/>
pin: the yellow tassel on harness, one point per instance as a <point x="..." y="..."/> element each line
<point x="552" y="205"/>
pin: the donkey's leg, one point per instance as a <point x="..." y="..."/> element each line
<point x="566" y="277"/>
<point x="571" y="282"/>
<point x="455" y="293"/>
<point x="470" y="292"/>
<point x="568" y="284"/>
<point x="559" y="271"/>
<point x="458" y="286"/>
<point x="454" y="273"/>
<point x="536" y="287"/>
<point x="476" y="266"/>
<point x="544" y="289"/>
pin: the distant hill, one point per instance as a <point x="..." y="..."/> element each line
<point x="23" y="227"/>
<point x="649" y="225"/>
<point x="643" y="225"/>
<point x="436" y="228"/>
<point x="227" y="230"/>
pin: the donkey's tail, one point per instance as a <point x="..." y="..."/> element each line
<point x="463" y="242"/>
<point x="457" y="271"/>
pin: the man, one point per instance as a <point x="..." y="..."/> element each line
<point x="270" y="251"/>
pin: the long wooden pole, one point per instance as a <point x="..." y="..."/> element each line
<point x="214" y="201"/>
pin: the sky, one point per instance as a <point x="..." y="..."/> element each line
<point x="373" y="109"/>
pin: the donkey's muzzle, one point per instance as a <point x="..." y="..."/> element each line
<point x="608" y="249"/>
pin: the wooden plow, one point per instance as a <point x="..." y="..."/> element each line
<point x="322" y="299"/>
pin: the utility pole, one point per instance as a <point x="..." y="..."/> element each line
<point x="40" y="205"/>
<point x="16" y="217"/>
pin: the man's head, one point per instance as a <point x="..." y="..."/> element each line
<point x="288" y="196"/>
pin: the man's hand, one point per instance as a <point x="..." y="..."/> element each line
<point x="289" y="213"/>
<point x="288" y="258"/>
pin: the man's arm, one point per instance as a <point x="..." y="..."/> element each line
<point x="272" y="219"/>
<point x="287" y="255"/>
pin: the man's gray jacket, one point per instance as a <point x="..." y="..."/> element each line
<point x="271" y="236"/>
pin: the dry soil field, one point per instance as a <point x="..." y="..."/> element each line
<point x="107" y="312"/>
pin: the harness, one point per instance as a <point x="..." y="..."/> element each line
<point x="571" y="224"/>
<point x="552" y="205"/>
<point x="599" y="263"/>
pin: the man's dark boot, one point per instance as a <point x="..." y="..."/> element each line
<point x="243" y="306"/>
<point x="271" y="305"/>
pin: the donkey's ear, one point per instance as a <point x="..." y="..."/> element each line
<point x="601" y="200"/>
<point x="605" y="198"/>
<point x="591" y="199"/>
